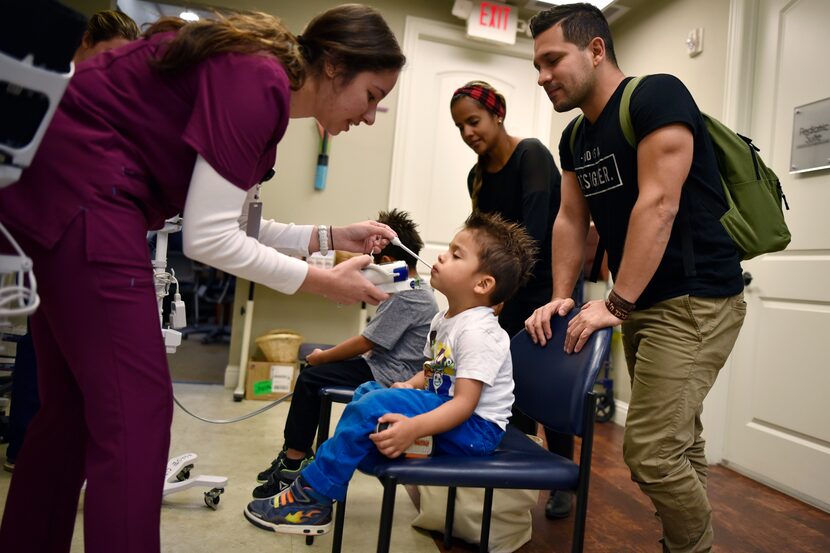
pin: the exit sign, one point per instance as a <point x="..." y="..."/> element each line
<point x="493" y="21"/>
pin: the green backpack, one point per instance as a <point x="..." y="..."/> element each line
<point x="755" y="218"/>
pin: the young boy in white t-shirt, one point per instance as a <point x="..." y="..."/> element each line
<point x="462" y="398"/>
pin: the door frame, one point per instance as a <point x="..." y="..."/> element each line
<point x="738" y="102"/>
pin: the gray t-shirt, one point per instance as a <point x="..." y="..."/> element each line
<point x="399" y="331"/>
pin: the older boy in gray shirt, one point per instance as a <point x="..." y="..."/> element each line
<point x="390" y="349"/>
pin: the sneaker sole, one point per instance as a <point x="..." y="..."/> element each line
<point x="303" y="530"/>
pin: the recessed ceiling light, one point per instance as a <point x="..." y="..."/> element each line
<point x="188" y="15"/>
<point x="601" y="4"/>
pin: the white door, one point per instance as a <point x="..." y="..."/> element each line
<point x="778" y="428"/>
<point x="430" y="161"/>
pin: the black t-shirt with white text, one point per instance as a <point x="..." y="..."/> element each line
<point x="606" y="170"/>
<point x="526" y="191"/>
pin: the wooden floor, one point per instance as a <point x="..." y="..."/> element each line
<point x="748" y="517"/>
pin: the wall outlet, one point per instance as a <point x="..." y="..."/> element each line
<point x="694" y="42"/>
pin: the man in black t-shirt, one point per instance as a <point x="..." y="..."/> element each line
<point x="678" y="288"/>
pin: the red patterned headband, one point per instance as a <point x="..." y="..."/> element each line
<point x="484" y="96"/>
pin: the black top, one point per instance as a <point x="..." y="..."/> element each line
<point x="526" y="191"/>
<point x="606" y="170"/>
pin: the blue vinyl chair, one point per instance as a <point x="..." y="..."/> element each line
<point x="552" y="387"/>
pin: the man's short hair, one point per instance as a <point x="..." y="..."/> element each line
<point x="407" y="231"/>
<point x="581" y="23"/>
<point x="505" y="251"/>
<point x="110" y="24"/>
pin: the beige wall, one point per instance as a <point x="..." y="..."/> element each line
<point x="87" y="7"/>
<point x="357" y="187"/>
<point x="648" y="39"/>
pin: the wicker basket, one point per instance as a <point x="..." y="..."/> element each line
<point x="280" y="345"/>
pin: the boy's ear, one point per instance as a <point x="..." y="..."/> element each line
<point x="485" y="285"/>
<point x="386" y="259"/>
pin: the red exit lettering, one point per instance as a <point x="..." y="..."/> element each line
<point x="494" y="15"/>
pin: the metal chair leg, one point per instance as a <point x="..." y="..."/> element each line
<point x="339" y="522"/>
<point x="450" y="516"/>
<point x="484" y="541"/>
<point x="386" y="514"/>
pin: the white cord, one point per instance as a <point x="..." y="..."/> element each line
<point x="165" y="278"/>
<point x="25" y="298"/>
<point x="237" y="419"/>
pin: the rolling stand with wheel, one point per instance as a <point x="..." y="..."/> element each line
<point x="177" y="478"/>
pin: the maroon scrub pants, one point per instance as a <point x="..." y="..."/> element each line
<point x="106" y="407"/>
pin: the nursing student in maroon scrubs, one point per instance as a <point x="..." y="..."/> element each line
<point x="185" y="120"/>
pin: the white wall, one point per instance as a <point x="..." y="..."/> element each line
<point x="648" y="39"/>
<point x="357" y="186"/>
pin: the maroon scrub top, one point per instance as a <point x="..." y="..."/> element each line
<point x="123" y="142"/>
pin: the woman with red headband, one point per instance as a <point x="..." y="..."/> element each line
<point x="518" y="179"/>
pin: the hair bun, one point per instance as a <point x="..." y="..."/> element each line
<point x="306" y="48"/>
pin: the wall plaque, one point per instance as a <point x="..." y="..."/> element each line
<point x="811" y="137"/>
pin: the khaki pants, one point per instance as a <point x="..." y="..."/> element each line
<point x="674" y="351"/>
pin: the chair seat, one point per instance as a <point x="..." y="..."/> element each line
<point x="518" y="463"/>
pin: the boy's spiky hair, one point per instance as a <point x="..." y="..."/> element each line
<point x="506" y="251"/>
<point x="407" y="231"/>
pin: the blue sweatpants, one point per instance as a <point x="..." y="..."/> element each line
<point x="350" y="447"/>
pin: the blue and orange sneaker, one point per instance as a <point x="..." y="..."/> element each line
<point x="296" y="510"/>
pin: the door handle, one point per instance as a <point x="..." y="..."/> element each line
<point x="747" y="276"/>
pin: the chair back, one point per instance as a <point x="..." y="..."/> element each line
<point x="551" y="385"/>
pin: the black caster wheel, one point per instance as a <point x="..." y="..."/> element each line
<point x="184" y="474"/>
<point x="605" y="407"/>
<point x="212" y="497"/>
<point x="309" y="540"/>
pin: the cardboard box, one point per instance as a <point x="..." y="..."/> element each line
<point x="269" y="381"/>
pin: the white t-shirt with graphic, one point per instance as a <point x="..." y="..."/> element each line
<point x="472" y="345"/>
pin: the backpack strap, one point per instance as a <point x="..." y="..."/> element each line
<point x="577" y="122"/>
<point x="686" y="242"/>
<point x="625" y="111"/>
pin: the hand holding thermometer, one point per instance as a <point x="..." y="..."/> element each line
<point x="397" y="242"/>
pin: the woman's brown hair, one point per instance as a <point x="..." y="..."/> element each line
<point x="110" y="24"/>
<point x="352" y="37"/>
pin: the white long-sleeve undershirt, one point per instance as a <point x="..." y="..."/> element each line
<point x="211" y="234"/>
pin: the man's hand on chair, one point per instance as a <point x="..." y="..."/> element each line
<point x="538" y="324"/>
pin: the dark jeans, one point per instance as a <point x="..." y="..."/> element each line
<point x="304" y="414"/>
<point x="25" y="400"/>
